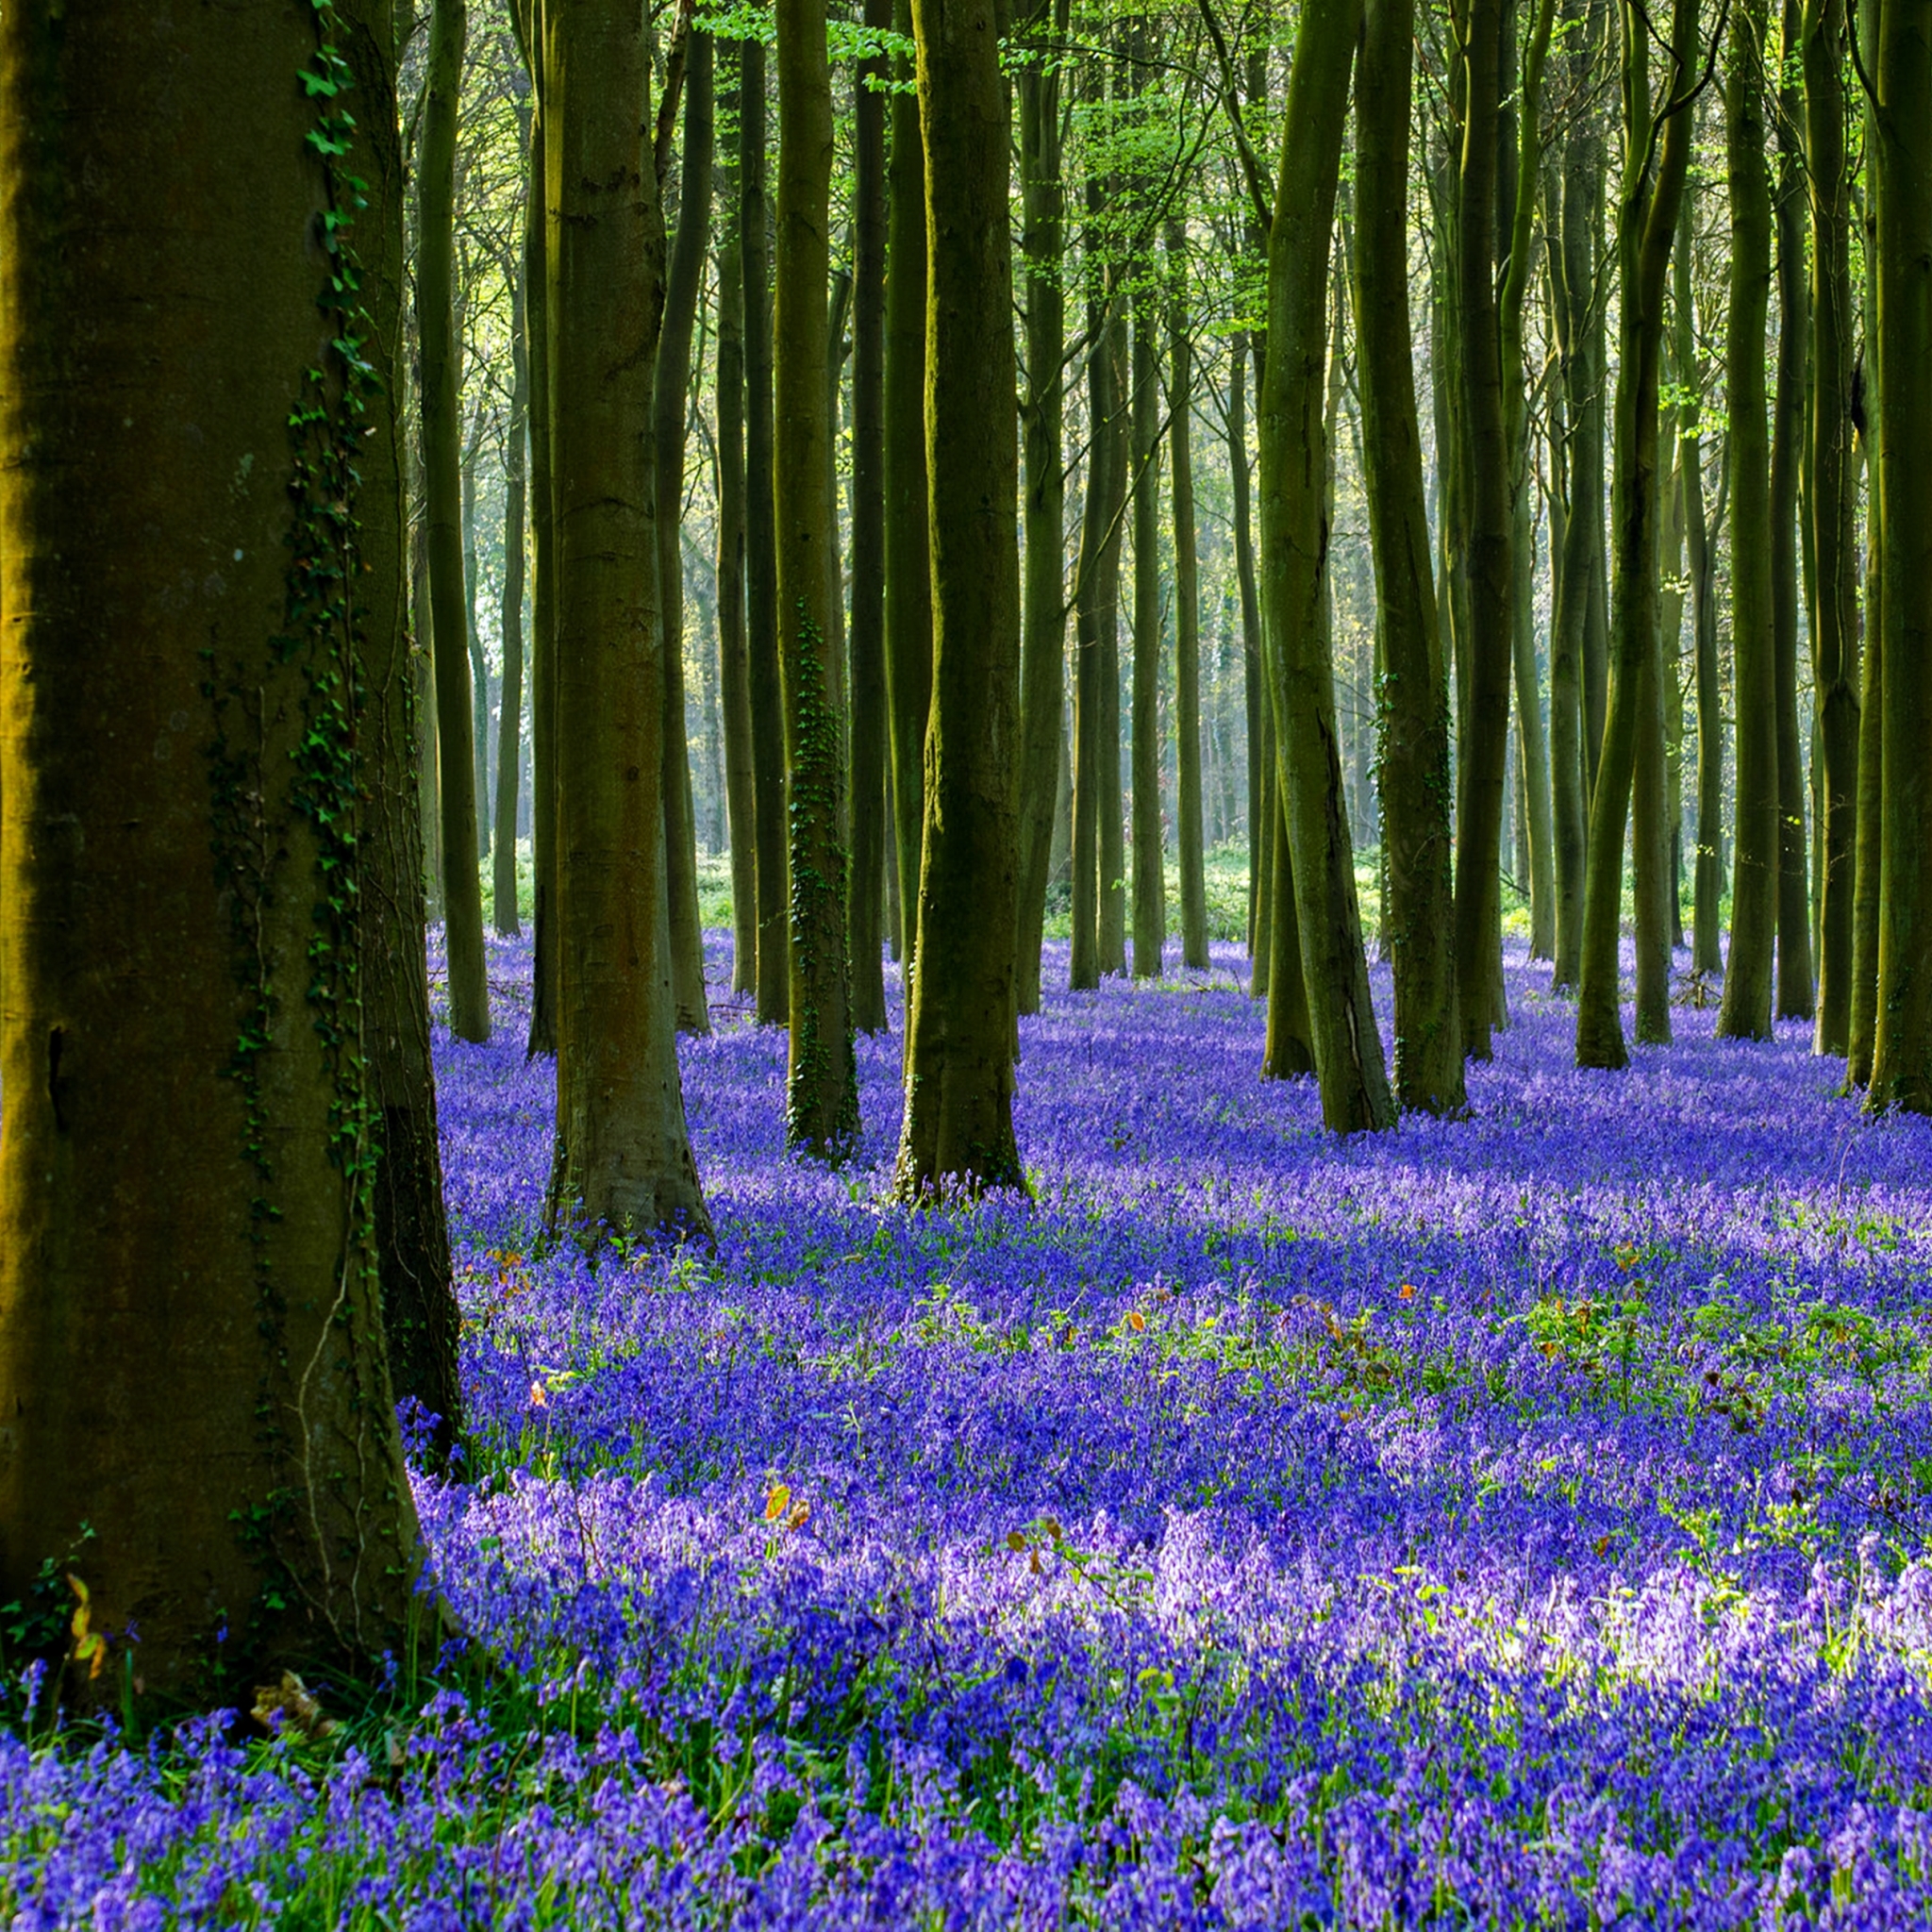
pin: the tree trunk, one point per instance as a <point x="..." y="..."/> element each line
<point x="199" y="1421"/>
<point x="1833" y="508"/>
<point x="1483" y="722"/>
<point x="822" y="1074"/>
<point x="509" y="763"/>
<point x="1254" y="679"/>
<point x="1745" y="1013"/>
<point x="542" y="1033"/>
<point x="734" y="662"/>
<point x="1187" y="613"/>
<point x="959" y="1030"/>
<point x="871" y="819"/>
<point x="469" y="994"/>
<point x="1794" y="982"/>
<point x="1150" y="883"/>
<point x="760" y="538"/>
<point x="908" y="563"/>
<point x="479" y="669"/>
<point x="1113" y="917"/>
<point x="1294" y="557"/>
<point x="1902" y="1050"/>
<point x="670" y="409"/>
<point x="1646" y="222"/>
<point x="1418" y="929"/>
<point x="1043" y="628"/>
<point x="623" y="1156"/>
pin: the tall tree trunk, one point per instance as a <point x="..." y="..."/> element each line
<point x="420" y="1316"/>
<point x="734" y="659"/>
<point x="1646" y="223"/>
<point x="1043" y="625"/>
<point x="871" y="820"/>
<point x="1833" y="508"/>
<point x="822" y="1076"/>
<point x="1254" y="679"/>
<point x="1745" y="1013"/>
<point x="1484" y="721"/>
<point x="623" y="1154"/>
<point x="1294" y="555"/>
<point x="509" y="763"/>
<point x="1414" y="719"/>
<point x="479" y="669"/>
<point x="1794" y="982"/>
<point x="199" y="1421"/>
<point x="469" y="994"/>
<point x="909" y="561"/>
<point x="760" y="538"/>
<point x="669" y="410"/>
<point x="1150" y="883"/>
<point x="960" y="1029"/>
<point x="1902" y="1050"/>
<point x="1112" y="918"/>
<point x="1534" y="823"/>
<point x="1187" y="612"/>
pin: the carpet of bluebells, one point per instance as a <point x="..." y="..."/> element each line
<point x="1516" y="1522"/>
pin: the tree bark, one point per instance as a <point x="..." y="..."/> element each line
<point x="623" y="1154"/>
<point x="1294" y="557"/>
<point x="822" y="1074"/>
<point x="734" y="662"/>
<point x="1043" y="624"/>
<point x="509" y="763"/>
<point x="1832" y="510"/>
<point x="469" y="994"/>
<point x="1414" y="719"/>
<point x="1745" y="1013"/>
<point x="199" y="1421"/>
<point x="1150" y="883"/>
<point x="960" y="1031"/>
<point x="1187" y="613"/>
<point x="1646" y="222"/>
<point x="871" y="820"/>
<point x="908" y="562"/>
<point x="1901" y="1049"/>
<point x="669" y="410"/>
<point x="760" y="539"/>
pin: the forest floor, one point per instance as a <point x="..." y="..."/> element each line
<point x="1516" y="1522"/>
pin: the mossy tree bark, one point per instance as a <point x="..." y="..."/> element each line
<point x="871" y="816"/>
<point x="1043" y="621"/>
<point x="1745" y="1013"/>
<point x="420" y="1315"/>
<point x="1832" y="509"/>
<point x="960" y="1031"/>
<point x="1255" y="678"/>
<point x="1414" y="712"/>
<point x="1111" y="913"/>
<point x="733" y="662"/>
<point x="1188" y="831"/>
<point x="1149" y="881"/>
<point x="821" y="1078"/>
<point x="760" y="538"/>
<point x="909" y="561"/>
<point x="1295" y="564"/>
<point x="1901" y="1049"/>
<point x="1648" y="201"/>
<point x="623" y="1156"/>
<point x="669" y="410"/>
<point x="469" y="992"/>
<point x="197" y="1374"/>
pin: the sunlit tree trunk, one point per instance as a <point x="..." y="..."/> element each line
<point x="1150" y="883"/>
<point x="1187" y="613"/>
<point x="192" y="1361"/>
<point x="623" y="1154"/>
<point x="468" y="994"/>
<point x="959" y="1030"/>
<point x="510" y="762"/>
